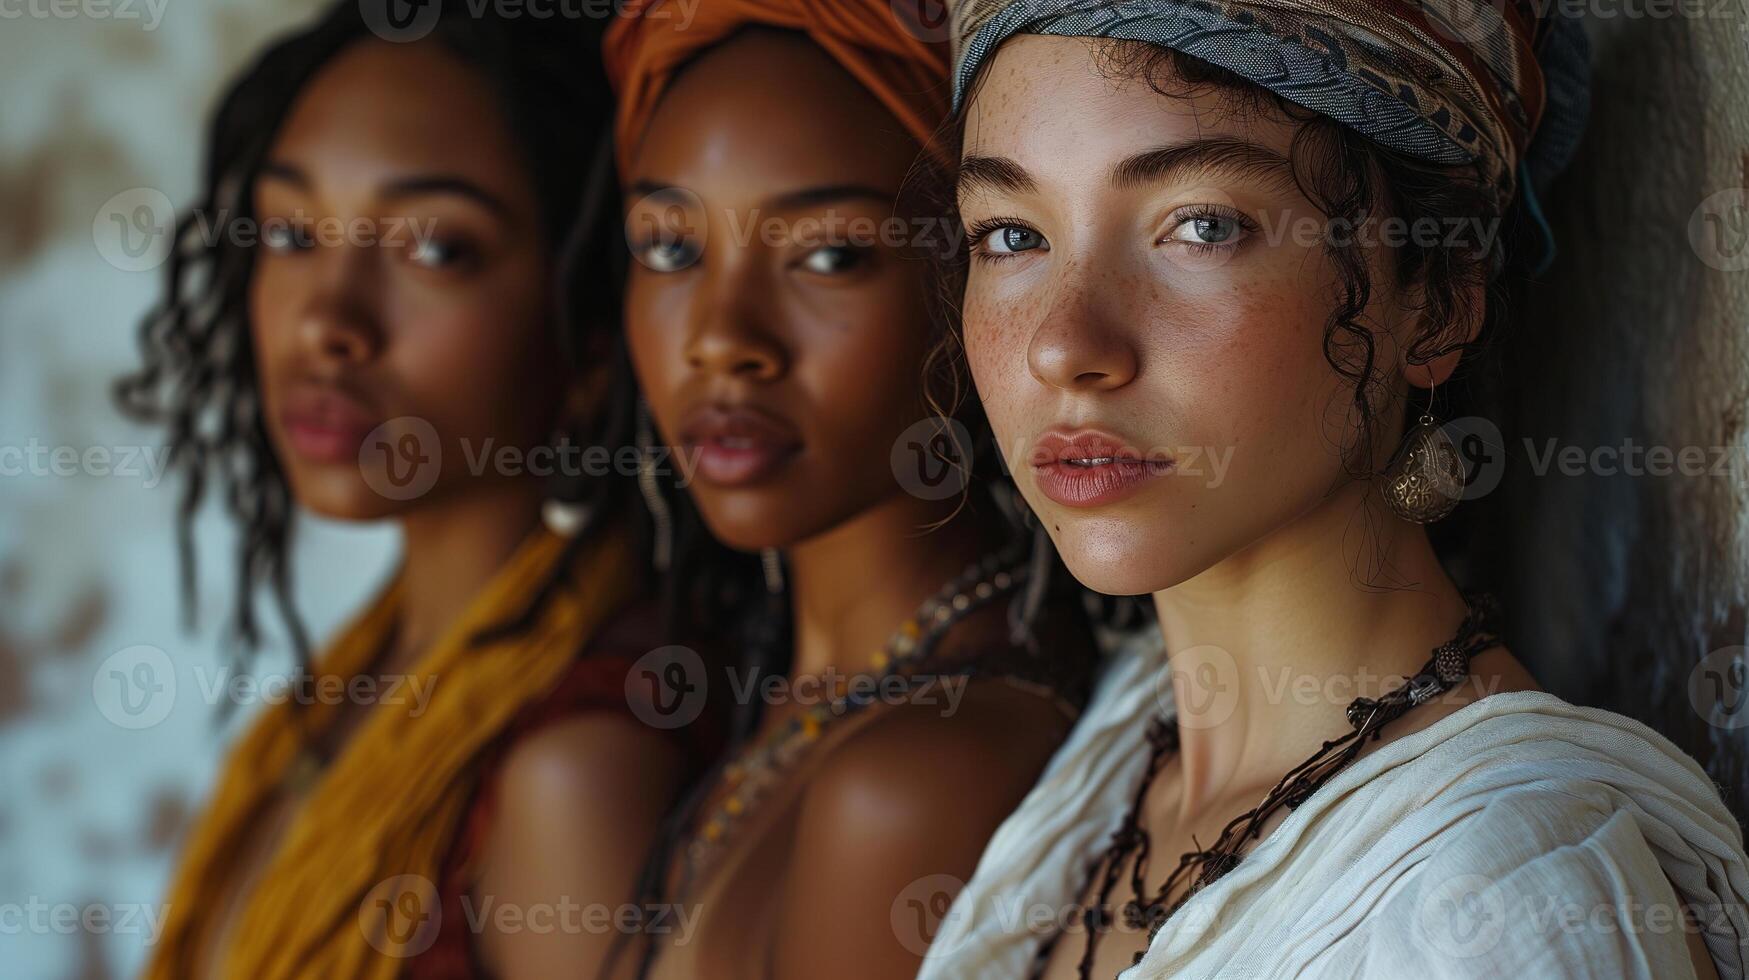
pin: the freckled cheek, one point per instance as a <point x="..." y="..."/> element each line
<point x="1250" y="370"/>
<point x="996" y="337"/>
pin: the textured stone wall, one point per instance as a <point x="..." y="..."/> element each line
<point x="1630" y="588"/>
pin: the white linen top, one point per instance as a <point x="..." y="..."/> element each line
<point x="1520" y="837"/>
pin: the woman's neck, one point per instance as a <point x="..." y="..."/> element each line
<point x="450" y="551"/>
<point x="1267" y="648"/>
<point x="853" y="585"/>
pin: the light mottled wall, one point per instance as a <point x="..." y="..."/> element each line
<point x="1624" y="584"/>
<point x="95" y="105"/>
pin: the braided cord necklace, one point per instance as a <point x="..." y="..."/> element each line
<point x="747" y="776"/>
<point x="1448" y="666"/>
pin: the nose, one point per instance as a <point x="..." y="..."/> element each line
<point x="1082" y="345"/>
<point x="339" y="323"/>
<point x="730" y="333"/>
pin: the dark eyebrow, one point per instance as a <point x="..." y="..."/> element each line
<point x="997" y="174"/>
<point x="1234" y="157"/>
<point x="443" y="184"/>
<point x="1215" y="155"/>
<point x="288" y="173"/>
<point x="412" y="186"/>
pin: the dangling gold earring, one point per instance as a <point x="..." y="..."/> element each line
<point x="1425" y="478"/>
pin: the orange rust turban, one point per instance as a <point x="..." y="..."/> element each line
<point x="891" y="47"/>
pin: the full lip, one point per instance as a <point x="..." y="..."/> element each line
<point x="737" y="445"/>
<point x="1091" y="468"/>
<point x="325" y="423"/>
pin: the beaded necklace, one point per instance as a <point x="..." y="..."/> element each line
<point x="1448" y="665"/>
<point x="753" y="773"/>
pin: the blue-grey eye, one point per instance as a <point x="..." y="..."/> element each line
<point x="1013" y="238"/>
<point x="1206" y="230"/>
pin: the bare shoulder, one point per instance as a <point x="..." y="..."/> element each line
<point x="896" y="818"/>
<point x="583" y="755"/>
<point x="971" y="741"/>
<point x="572" y="787"/>
<point x="577" y="804"/>
<point x="1493" y="671"/>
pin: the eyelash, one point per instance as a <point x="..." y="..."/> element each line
<point x="976" y="234"/>
<point x="1196" y="211"/>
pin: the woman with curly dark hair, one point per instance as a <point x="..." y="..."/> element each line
<point x="364" y="321"/>
<point x="1222" y="254"/>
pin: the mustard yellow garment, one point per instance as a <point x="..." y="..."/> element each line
<point x="392" y="800"/>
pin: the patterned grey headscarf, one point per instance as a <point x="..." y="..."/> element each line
<point x="1503" y="84"/>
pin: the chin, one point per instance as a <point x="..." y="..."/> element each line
<point x="743" y="522"/>
<point x="772" y="517"/>
<point x="342" y="497"/>
<point x="1113" y="556"/>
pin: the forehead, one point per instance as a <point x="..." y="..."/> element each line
<point x="770" y="110"/>
<point x="378" y="109"/>
<point x="1045" y="98"/>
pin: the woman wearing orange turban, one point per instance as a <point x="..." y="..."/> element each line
<point x="461" y="781"/>
<point x="778" y="315"/>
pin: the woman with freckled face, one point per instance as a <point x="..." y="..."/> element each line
<point x="780" y="351"/>
<point x="1216" y="379"/>
<point x="394" y="322"/>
